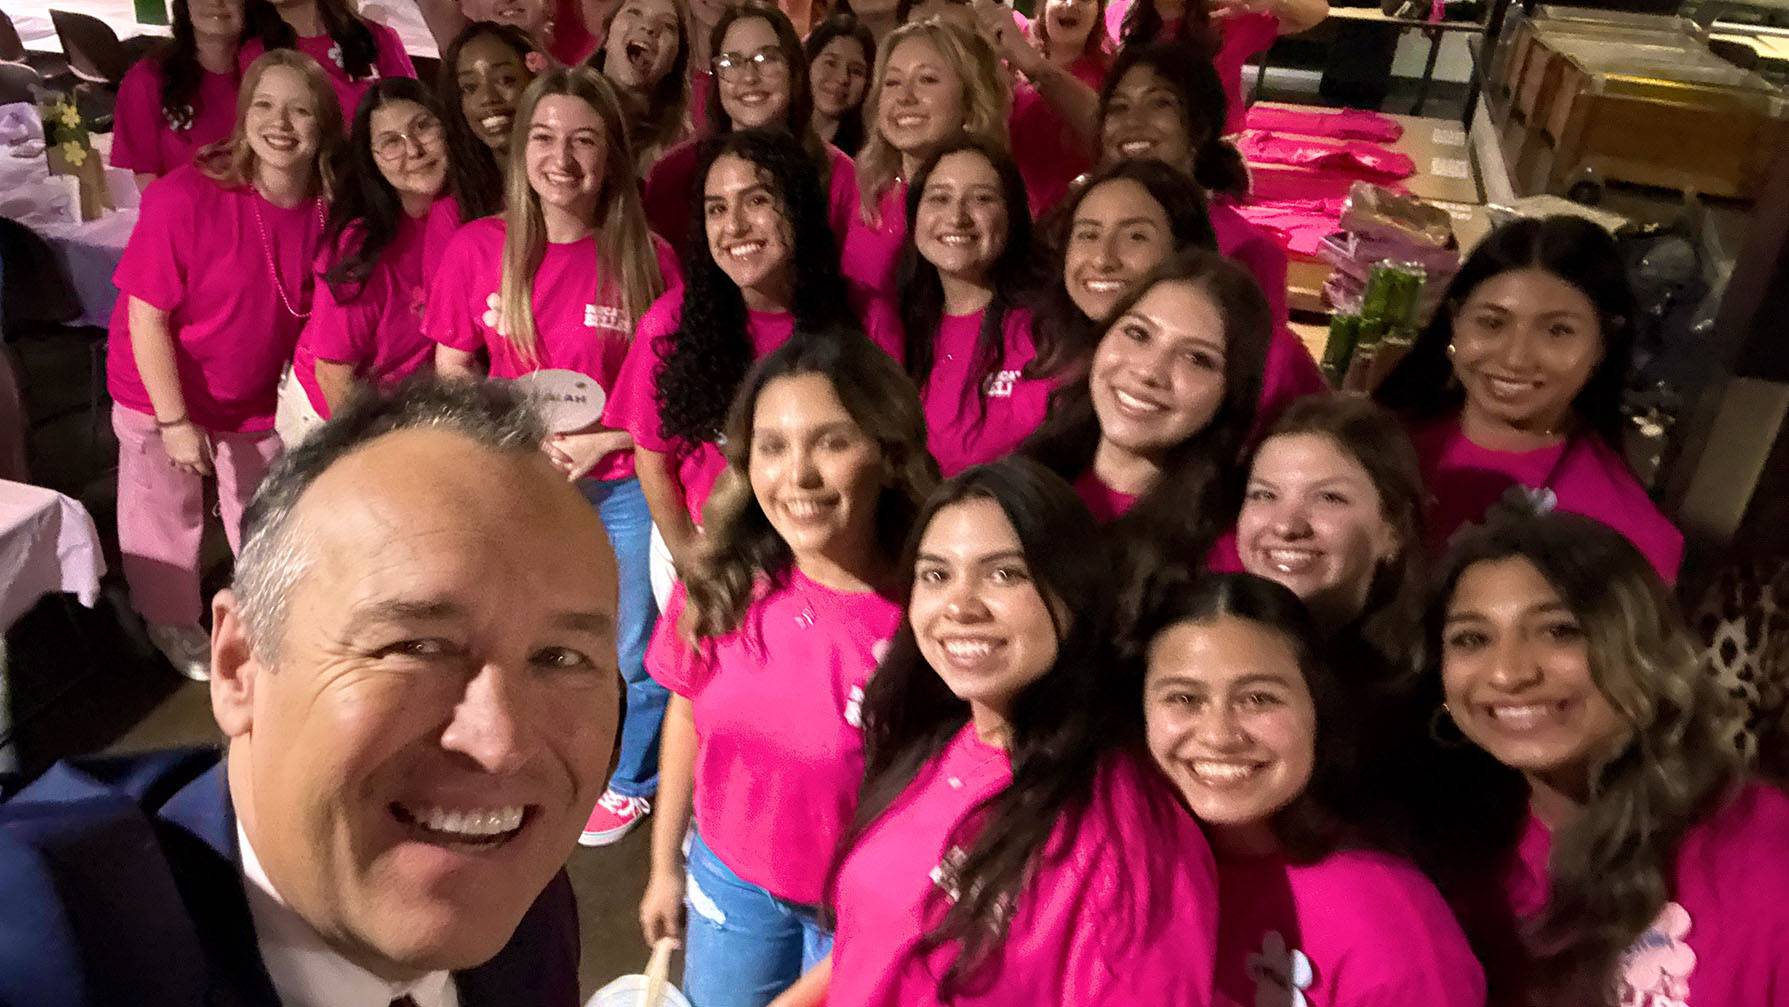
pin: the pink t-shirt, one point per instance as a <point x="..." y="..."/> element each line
<point x="778" y="708"/>
<point x="147" y="140"/>
<point x="198" y="253"/>
<point x="1584" y="474"/>
<point x="633" y="404"/>
<point x="1121" y="908"/>
<point x="1289" y="373"/>
<point x="443" y="220"/>
<point x="1106" y="503"/>
<point x="1723" y="938"/>
<point x="869" y="253"/>
<point x="1049" y="153"/>
<point x="956" y="431"/>
<point x="673" y="178"/>
<point x="379" y="331"/>
<point x="574" y="331"/>
<point x="389" y="60"/>
<point x="1240" y="39"/>
<point x="1355" y="929"/>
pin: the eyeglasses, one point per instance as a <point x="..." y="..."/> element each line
<point x="730" y="64"/>
<point x="393" y="145"/>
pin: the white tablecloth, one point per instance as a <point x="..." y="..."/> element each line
<point x="86" y="251"/>
<point x="48" y="545"/>
<point x="39" y="33"/>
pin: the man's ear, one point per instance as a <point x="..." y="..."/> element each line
<point x="233" y="667"/>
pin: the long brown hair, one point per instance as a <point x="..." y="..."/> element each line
<point x="624" y="252"/>
<point x="1376" y="441"/>
<point x="658" y="121"/>
<point x="740" y="548"/>
<point x="231" y="162"/>
<point x="1610" y="870"/>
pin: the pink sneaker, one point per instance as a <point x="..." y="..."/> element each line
<point x="614" y="817"/>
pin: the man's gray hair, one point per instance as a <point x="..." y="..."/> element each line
<point x="274" y="556"/>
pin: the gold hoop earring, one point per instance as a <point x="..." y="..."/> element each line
<point x="1444" y="716"/>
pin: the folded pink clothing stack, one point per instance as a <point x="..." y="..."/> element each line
<point x="1377" y="226"/>
<point x="1299" y="225"/>
<point x="1345" y="124"/>
<point x="1354" y="158"/>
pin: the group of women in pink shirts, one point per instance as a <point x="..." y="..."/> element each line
<point x="1008" y="612"/>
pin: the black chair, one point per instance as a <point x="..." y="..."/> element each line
<point x="16" y="82"/>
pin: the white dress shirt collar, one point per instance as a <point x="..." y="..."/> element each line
<point x="305" y="971"/>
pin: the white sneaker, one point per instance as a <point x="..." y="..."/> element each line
<point x="187" y="648"/>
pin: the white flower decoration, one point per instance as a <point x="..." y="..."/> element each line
<point x="179" y="120"/>
<point x="493" y="316"/>
<point x="335" y="56"/>
<point x="1281" y="974"/>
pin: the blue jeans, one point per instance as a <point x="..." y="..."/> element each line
<point x="744" y="945"/>
<point x="622" y="507"/>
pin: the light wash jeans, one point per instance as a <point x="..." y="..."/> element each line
<point x="744" y="945"/>
<point x="622" y="507"/>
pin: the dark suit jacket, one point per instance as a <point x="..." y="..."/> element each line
<point x="120" y="887"/>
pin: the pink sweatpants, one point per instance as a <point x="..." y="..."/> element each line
<point x="161" y="516"/>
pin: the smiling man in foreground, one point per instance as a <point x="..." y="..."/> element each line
<point x="416" y="676"/>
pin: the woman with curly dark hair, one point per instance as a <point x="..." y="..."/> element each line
<point x="1642" y="867"/>
<point x="963" y="275"/>
<point x="352" y="50"/>
<point x="1012" y="843"/>
<point x="183" y="96"/>
<point x="769" y="645"/>
<point x="767" y="267"/>
<point x="761" y="79"/>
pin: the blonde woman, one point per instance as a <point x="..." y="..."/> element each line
<point x="933" y="81"/>
<point x="213" y="290"/>
<point x="556" y="283"/>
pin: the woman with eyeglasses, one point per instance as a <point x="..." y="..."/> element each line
<point x="366" y="326"/>
<point x="761" y="75"/>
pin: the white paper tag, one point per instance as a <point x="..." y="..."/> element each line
<point x="568" y="401"/>
<point x="1450" y="167"/>
<point x="1448" y="136"/>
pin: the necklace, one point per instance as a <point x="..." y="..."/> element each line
<point x="274" y="270"/>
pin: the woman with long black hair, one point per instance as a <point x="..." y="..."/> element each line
<point x="963" y="274"/>
<point x="183" y="96"/>
<point x="1012" y="843"/>
<point x="485" y="70"/>
<point x="840" y="52"/>
<point x="366" y="323"/>
<point x="353" y="51"/>
<point x="1517" y="381"/>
